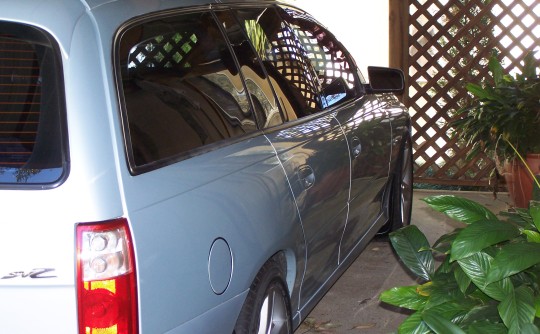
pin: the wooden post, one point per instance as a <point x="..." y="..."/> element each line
<point x="399" y="39"/>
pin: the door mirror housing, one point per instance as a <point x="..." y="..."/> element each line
<point x="385" y="80"/>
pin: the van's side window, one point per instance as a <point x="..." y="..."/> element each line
<point x="265" y="104"/>
<point x="307" y="66"/>
<point x="330" y="62"/>
<point x="181" y="87"/>
<point x="285" y="59"/>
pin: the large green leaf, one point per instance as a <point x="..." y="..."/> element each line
<point x="444" y="243"/>
<point x="534" y="210"/>
<point x="513" y="258"/>
<point x="476" y="267"/>
<point x="445" y="267"/>
<point x="537" y="306"/>
<point x="532" y="236"/>
<point x="478" y="91"/>
<point x="524" y="329"/>
<point x="404" y="296"/>
<point x="414" y="325"/>
<point x="412" y="248"/>
<point x="480" y="235"/>
<point x="487" y="327"/>
<point x="459" y="208"/>
<point x="443" y="289"/>
<point x="520" y="217"/>
<point x="455" y="310"/>
<point x="530" y="66"/>
<point x="480" y="296"/>
<point x="484" y="311"/>
<point x="517" y="309"/>
<point x="440" y="324"/>
<point x="497" y="70"/>
<point x="462" y="279"/>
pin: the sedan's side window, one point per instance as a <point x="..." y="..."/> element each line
<point x="261" y="94"/>
<point x="181" y="89"/>
<point x="331" y="64"/>
<point x="284" y="59"/>
<point x="307" y="66"/>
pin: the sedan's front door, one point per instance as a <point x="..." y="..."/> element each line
<point x="315" y="158"/>
<point x="369" y="133"/>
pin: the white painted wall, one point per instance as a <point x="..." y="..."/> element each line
<point x="361" y="25"/>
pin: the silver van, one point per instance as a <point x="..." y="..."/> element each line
<point x="186" y="166"/>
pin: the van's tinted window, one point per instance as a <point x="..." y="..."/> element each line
<point x="307" y="66"/>
<point x="285" y="60"/>
<point x="260" y="91"/>
<point x="328" y="58"/>
<point x="31" y="107"/>
<point x="181" y="87"/>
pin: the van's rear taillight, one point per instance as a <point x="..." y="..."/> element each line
<point x="106" y="279"/>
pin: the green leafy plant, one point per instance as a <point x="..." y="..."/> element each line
<point x="488" y="280"/>
<point x="504" y="109"/>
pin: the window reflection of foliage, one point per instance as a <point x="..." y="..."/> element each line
<point x="22" y="175"/>
<point x="257" y="36"/>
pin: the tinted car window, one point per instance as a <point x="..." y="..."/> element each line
<point x="285" y="60"/>
<point x="31" y="107"/>
<point x="182" y="89"/>
<point x="260" y="90"/>
<point x="327" y="57"/>
<point x="307" y="65"/>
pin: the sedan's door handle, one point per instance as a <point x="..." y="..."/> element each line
<point x="356" y="147"/>
<point x="306" y="176"/>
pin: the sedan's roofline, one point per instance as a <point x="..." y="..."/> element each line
<point x="91" y="4"/>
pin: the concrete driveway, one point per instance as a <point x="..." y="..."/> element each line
<point x="352" y="305"/>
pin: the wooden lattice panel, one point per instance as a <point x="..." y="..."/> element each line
<point x="449" y="44"/>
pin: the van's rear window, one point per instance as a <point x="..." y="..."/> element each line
<point x="31" y="107"/>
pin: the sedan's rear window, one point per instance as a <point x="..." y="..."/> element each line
<point x="31" y="108"/>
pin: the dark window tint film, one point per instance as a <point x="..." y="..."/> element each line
<point x="31" y="150"/>
<point x="307" y="66"/>
<point x="182" y="89"/>
<point x="260" y="91"/>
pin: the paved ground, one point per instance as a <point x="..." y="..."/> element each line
<point x="352" y="305"/>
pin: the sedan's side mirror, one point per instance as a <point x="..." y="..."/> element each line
<point x="385" y="80"/>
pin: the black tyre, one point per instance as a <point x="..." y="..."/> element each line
<point x="267" y="307"/>
<point x="400" y="207"/>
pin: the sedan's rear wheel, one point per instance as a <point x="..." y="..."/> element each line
<point x="400" y="208"/>
<point x="267" y="306"/>
<point x="403" y="202"/>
